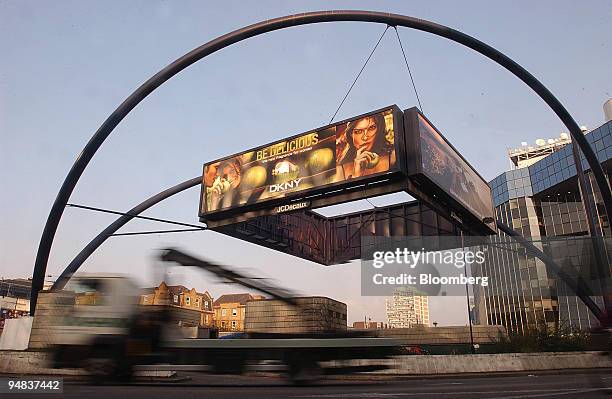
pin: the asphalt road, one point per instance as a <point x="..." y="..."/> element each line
<point x="201" y="386"/>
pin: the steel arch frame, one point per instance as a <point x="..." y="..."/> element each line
<point x="226" y="40"/>
<point x="94" y="244"/>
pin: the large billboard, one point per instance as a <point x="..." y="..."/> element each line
<point x="433" y="157"/>
<point x="350" y="151"/>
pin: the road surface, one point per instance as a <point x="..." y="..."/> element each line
<point x="200" y="386"/>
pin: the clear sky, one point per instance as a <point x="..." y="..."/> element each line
<point x="66" y="65"/>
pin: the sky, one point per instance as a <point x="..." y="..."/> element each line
<point x="66" y="65"/>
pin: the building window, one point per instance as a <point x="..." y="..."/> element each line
<point x="197" y="302"/>
<point x="187" y="301"/>
<point x="223" y="312"/>
<point x="234" y="312"/>
<point x="233" y="324"/>
<point x="206" y="305"/>
<point x="176" y="299"/>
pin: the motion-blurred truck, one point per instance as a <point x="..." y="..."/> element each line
<point x="110" y="335"/>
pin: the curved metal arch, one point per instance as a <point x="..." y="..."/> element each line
<point x="116" y="225"/>
<point x="226" y="40"/>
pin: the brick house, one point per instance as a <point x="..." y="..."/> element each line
<point x="181" y="297"/>
<point x="230" y="311"/>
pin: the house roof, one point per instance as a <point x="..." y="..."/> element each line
<point x="172" y="289"/>
<point x="177" y="289"/>
<point x="233" y="298"/>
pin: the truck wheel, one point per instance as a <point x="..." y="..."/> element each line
<point x="107" y="365"/>
<point x="100" y="369"/>
<point x="304" y="372"/>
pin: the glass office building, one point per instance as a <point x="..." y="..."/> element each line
<point x="543" y="202"/>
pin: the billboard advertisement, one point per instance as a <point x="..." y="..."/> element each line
<point x="353" y="150"/>
<point x="437" y="159"/>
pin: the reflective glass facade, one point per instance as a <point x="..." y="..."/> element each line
<point x="543" y="203"/>
<point x="550" y="171"/>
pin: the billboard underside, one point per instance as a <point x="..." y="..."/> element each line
<point x="334" y="240"/>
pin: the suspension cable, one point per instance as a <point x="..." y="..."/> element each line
<point x="359" y="74"/>
<point x="408" y="66"/>
<point x="91" y="208"/>
<point x="138" y="233"/>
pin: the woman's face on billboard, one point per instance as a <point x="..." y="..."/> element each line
<point x="230" y="172"/>
<point x="364" y="134"/>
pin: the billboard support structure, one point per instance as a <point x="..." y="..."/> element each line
<point x="73" y="176"/>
